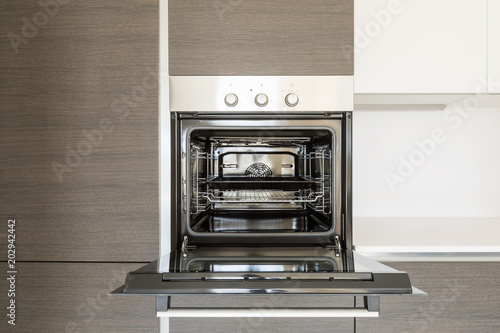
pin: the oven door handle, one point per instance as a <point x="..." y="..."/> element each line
<point x="371" y="308"/>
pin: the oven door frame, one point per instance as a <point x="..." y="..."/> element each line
<point x="166" y="277"/>
<point x="369" y="279"/>
<point x="339" y="123"/>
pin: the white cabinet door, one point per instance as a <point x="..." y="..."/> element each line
<point x="420" y="47"/>
<point x="494" y="46"/>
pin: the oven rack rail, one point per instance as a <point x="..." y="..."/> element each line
<point x="310" y="156"/>
<point x="262" y="183"/>
<point x="260" y="196"/>
<point x="298" y="189"/>
<point x="307" y="160"/>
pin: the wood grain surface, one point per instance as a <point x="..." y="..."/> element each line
<point x="463" y="297"/>
<point x="78" y="195"/>
<point x="73" y="297"/>
<point x="259" y="37"/>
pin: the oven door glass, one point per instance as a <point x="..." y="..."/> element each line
<point x="265" y="271"/>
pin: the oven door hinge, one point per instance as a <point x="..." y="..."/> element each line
<point x="337" y="247"/>
<point x="186" y="247"/>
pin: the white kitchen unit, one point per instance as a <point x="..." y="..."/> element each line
<point x="494" y="45"/>
<point x="423" y="47"/>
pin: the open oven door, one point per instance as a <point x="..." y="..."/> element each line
<point x="272" y="270"/>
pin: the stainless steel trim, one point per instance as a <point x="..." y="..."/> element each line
<point x="289" y="276"/>
<point x="315" y="93"/>
<point x="418" y="292"/>
<point x="347" y="223"/>
<point x="162" y="303"/>
<point x="267" y="313"/>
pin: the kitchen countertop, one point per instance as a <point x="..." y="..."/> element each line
<point x="428" y="238"/>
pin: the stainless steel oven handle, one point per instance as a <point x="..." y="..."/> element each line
<point x="267" y="313"/>
<point x="371" y="309"/>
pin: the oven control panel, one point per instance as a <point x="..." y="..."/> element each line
<point x="261" y="100"/>
<point x="261" y="93"/>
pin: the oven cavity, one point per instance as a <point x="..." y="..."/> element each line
<point x="248" y="181"/>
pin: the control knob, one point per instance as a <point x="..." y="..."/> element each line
<point x="261" y="100"/>
<point x="231" y="100"/>
<point x="291" y="100"/>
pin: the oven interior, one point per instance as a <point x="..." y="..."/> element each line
<point x="261" y="181"/>
<point x="278" y="265"/>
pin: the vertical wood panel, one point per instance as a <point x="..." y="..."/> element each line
<point x="93" y="63"/>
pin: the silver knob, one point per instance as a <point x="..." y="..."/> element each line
<point x="291" y="100"/>
<point x="231" y="99"/>
<point x="261" y="100"/>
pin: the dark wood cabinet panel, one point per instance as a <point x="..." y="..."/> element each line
<point x="73" y="297"/>
<point x="463" y="297"/>
<point x="281" y="37"/>
<point x="79" y="129"/>
<point x="263" y="324"/>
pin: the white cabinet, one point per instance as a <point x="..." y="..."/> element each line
<point x="422" y="47"/>
<point x="494" y="46"/>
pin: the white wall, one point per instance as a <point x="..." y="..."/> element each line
<point x="460" y="177"/>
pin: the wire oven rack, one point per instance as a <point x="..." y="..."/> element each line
<point x="254" y="196"/>
<point x="305" y="189"/>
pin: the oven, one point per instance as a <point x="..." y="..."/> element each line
<point x="261" y="198"/>
<point x="260" y="180"/>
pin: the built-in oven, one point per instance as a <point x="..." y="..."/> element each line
<point x="260" y="180"/>
<point x="261" y="198"/>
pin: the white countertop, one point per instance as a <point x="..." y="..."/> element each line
<point x="428" y="238"/>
